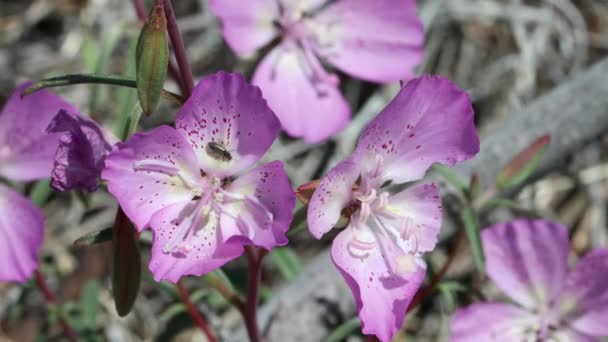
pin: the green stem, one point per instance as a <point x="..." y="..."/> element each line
<point x="344" y="330"/>
<point x="122" y="81"/>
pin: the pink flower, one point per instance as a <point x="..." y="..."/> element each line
<point x="528" y="260"/>
<point x="181" y="181"/>
<point x="26" y="154"/>
<point x="82" y="150"/>
<point x="379" y="252"/>
<point x="379" y="41"/>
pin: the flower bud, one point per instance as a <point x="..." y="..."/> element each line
<point x="152" y="56"/>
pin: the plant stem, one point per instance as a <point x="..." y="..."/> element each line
<point x="194" y="313"/>
<point x="122" y="81"/>
<point x="254" y="256"/>
<point x="50" y="299"/>
<point x="179" y="49"/>
<point x="420" y="296"/>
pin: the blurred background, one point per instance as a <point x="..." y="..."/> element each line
<point x="505" y="53"/>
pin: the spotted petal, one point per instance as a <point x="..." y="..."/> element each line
<point x="151" y="171"/>
<point x="26" y="151"/>
<point x="429" y="121"/>
<point x="21" y="234"/>
<point x="205" y="252"/>
<point x="380" y="40"/>
<point x="527" y="259"/>
<point x="492" y="322"/>
<point x="382" y="297"/>
<point x="333" y="194"/>
<point x="307" y="105"/>
<point x="261" y="208"/>
<point x="226" y="110"/>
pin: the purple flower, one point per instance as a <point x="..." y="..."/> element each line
<point x="181" y="181"/>
<point x="379" y="41"/>
<point x="26" y="154"/>
<point x="379" y="252"/>
<point x="82" y="150"/>
<point x="528" y="260"/>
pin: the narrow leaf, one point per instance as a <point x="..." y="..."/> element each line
<point x="451" y="177"/>
<point x="126" y="275"/>
<point x="344" y="330"/>
<point x="93" y="238"/>
<point x="523" y="164"/>
<point x="471" y="225"/>
<point x="89" y="304"/>
<point x="287" y="262"/>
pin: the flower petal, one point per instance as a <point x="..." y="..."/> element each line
<point x="26" y="151"/>
<point x="81" y="153"/>
<point x="208" y="251"/>
<point x="382" y="297"/>
<point x="21" y="234"/>
<point x="227" y="110"/>
<point x="584" y="300"/>
<point x="380" y="40"/>
<point x="150" y="171"/>
<point x="308" y="107"/>
<point x="269" y="198"/>
<point x="420" y="209"/>
<point x="429" y="121"/>
<point x="246" y="25"/>
<point x="333" y="194"/>
<point x="492" y="322"/>
<point x="527" y="259"/>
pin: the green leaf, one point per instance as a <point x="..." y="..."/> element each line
<point x="110" y="39"/>
<point x="503" y="202"/>
<point x="152" y="58"/>
<point x="126" y="275"/>
<point x="523" y="164"/>
<point x="89" y="304"/>
<point x="447" y="290"/>
<point x="41" y="192"/>
<point x="451" y="177"/>
<point x="93" y="238"/>
<point x="287" y="261"/>
<point x="344" y="330"/>
<point x="126" y="97"/>
<point x="471" y="225"/>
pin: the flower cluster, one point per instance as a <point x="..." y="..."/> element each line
<point x="201" y="189"/>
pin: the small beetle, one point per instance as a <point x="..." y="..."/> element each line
<point x="218" y="151"/>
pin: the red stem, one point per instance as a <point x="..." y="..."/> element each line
<point x="51" y="299"/>
<point x="140" y="9"/>
<point x="254" y="276"/>
<point x="420" y="296"/>
<point x="178" y="49"/>
<point x="194" y="313"/>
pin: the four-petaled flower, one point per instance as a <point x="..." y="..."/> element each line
<point x="26" y="154"/>
<point x="376" y="40"/>
<point x="528" y="260"/>
<point x="181" y="181"/>
<point x="379" y="253"/>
